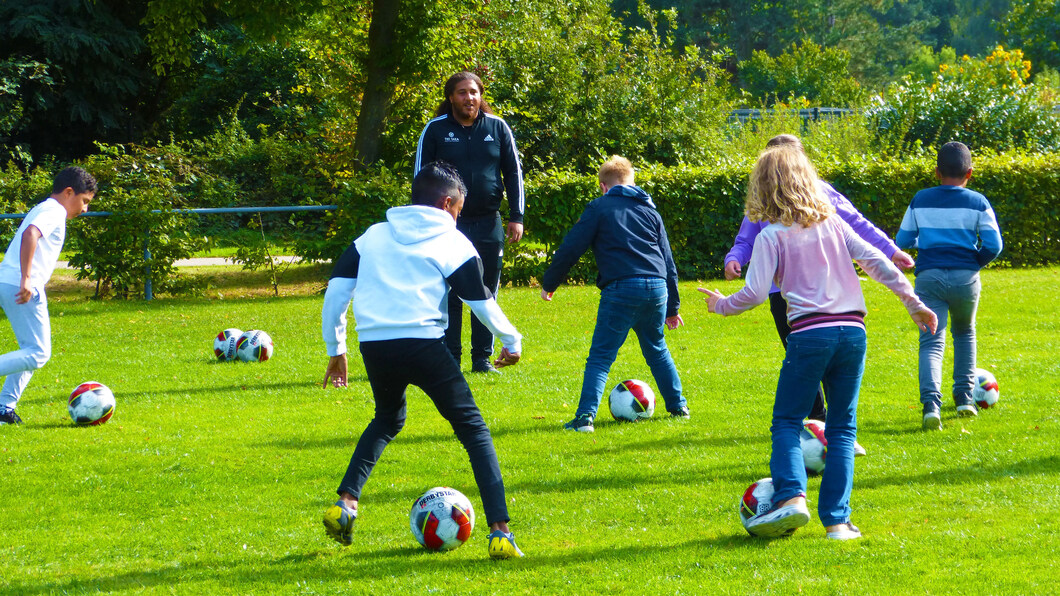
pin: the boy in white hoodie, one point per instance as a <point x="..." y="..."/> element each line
<point x="402" y="271"/>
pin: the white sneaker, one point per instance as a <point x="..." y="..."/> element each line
<point x="781" y="521"/>
<point x="847" y="531"/>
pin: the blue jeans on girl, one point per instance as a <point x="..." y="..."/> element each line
<point x="834" y="356"/>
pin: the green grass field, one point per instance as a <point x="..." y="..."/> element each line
<point x="212" y="477"/>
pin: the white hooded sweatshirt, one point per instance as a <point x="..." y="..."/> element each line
<point x="402" y="271"/>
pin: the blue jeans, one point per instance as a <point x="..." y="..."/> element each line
<point x="637" y="303"/>
<point x="834" y="356"/>
<point x="953" y="293"/>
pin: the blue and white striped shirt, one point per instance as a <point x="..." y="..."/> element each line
<point x="951" y="227"/>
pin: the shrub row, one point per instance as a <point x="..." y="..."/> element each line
<point x="702" y="207"/>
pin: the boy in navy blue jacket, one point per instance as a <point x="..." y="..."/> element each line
<point x="638" y="286"/>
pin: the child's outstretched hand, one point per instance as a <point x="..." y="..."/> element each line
<point x="926" y="320"/>
<point x="506" y="359"/>
<point x="712" y="298"/>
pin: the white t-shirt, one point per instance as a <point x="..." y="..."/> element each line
<point x="49" y="216"/>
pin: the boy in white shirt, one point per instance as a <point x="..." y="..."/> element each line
<point x="26" y="268"/>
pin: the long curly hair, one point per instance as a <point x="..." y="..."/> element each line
<point x="783" y="189"/>
<point x="446" y="106"/>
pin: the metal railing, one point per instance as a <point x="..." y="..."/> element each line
<point x="815" y="114"/>
<point x="148" y="291"/>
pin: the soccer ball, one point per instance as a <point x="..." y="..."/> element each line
<point x="254" y="346"/>
<point x="631" y="400"/>
<point x="224" y="345"/>
<point x="756" y="500"/>
<point x="442" y="519"/>
<point x="985" y="393"/>
<point x="91" y="404"/>
<point x="814" y="446"/>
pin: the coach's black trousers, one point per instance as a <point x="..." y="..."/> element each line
<point x="392" y="366"/>
<point x="487" y="236"/>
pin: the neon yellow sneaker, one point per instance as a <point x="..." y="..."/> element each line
<point x="338" y="523"/>
<point x="502" y="545"/>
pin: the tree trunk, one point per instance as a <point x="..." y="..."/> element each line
<point x="378" y="87"/>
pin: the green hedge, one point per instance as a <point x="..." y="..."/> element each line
<point x="703" y="206"/>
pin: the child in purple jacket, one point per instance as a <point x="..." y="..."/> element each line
<point x="740" y="254"/>
<point x="827" y="343"/>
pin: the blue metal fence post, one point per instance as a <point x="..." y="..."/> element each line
<point x="148" y="294"/>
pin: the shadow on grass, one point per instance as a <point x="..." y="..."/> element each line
<point x="585" y="484"/>
<point x="971" y="474"/>
<point x="216" y="390"/>
<point x="337" y="568"/>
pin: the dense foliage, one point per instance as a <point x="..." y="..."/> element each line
<point x="192" y="103"/>
<point x="985" y="103"/>
<point x="818" y="74"/>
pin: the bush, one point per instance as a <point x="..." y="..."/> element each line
<point x="19" y="192"/>
<point x="133" y="181"/>
<point x="362" y="200"/>
<point x="985" y="103"/>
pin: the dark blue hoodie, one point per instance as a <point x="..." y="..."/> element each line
<point x="628" y="239"/>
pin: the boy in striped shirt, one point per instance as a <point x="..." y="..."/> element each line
<point x="956" y="234"/>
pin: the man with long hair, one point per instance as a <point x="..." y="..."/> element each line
<point x="466" y="133"/>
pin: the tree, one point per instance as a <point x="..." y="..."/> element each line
<point x="382" y="65"/>
<point x="1034" y="26"/>
<point x="820" y="75"/>
<point x="75" y="72"/>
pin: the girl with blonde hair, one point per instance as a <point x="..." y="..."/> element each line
<point x="807" y="252"/>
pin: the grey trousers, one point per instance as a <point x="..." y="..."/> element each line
<point x="952" y="294"/>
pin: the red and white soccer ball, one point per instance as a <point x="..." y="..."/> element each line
<point x="631" y="400"/>
<point x="756" y="500"/>
<point x="91" y="404"/>
<point x="254" y="346"/>
<point x="442" y="519"/>
<point x="224" y="345"/>
<point x="986" y="392"/>
<point x="814" y="446"/>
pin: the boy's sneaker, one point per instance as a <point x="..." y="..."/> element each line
<point x="847" y="531"/>
<point x="9" y="416"/>
<point x="681" y="412"/>
<point x="502" y="545"/>
<point x="859" y="450"/>
<point x="965" y="407"/>
<point x="780" y="521"/>
<point x="338" y="523"/>
<point x="932" y="417"/>
<point x="582" y="424"/>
